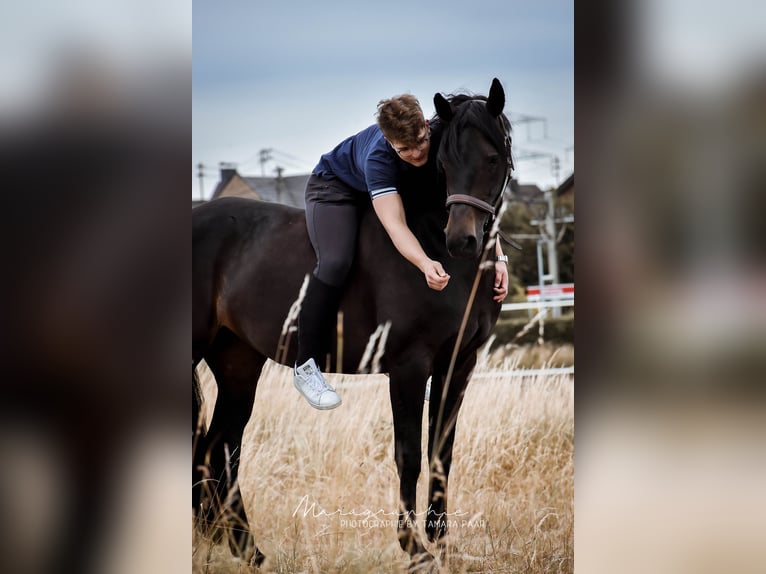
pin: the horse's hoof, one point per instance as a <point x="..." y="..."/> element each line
<point x="258" y="558"/>
<point x="243" y="546"/>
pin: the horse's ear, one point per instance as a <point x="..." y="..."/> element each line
<point x="496" y="99"/>
<point x="443" y="107"/>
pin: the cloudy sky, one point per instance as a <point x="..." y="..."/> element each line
<point x="297" y="77"/>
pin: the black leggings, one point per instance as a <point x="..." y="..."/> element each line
<point x="332" y="216"/>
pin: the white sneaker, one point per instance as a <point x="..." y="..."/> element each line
<point x="312" y="385"/>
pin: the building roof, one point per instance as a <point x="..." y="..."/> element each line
<point x="526" y="192"/>
<point x="288" y="190"/>
<point x="566" y="186"/>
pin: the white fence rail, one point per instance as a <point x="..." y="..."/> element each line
<point x="524" y="373"/>
<point x="538" y="305"/>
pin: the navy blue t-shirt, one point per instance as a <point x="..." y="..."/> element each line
<point x="364" y="161"/>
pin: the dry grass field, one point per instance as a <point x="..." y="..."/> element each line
<point x="321" y="488"/>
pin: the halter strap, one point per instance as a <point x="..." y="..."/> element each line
<point x="472" y="201"/>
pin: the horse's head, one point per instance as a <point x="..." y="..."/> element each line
<point x="475" y="156"/>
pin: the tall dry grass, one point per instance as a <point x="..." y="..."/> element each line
<point x="533" y="356"/>
<point x="309" y="479"/>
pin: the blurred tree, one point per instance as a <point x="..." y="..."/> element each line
<point x="523" y="264"/>
<point x="565" y="246"/>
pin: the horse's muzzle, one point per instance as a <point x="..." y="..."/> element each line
<point x="464" y="231"/>
<point x="463" y="240"/>
<point x="463" y="246"/>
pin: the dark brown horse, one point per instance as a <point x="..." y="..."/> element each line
<point x="249" y="262"/>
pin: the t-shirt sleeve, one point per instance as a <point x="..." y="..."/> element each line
<point x="381" y="174"/>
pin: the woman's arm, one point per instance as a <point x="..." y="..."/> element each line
<point x="390" y="211"/>
<point x="501" y="273"/>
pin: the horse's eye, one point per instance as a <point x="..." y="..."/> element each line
<point x="493" y="160"/>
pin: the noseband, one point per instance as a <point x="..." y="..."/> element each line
<point x="472" y="201"/>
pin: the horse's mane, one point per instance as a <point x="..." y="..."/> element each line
<point x="468" y="111"/>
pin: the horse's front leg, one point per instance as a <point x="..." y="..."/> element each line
<point x="407" y="388"/>
<point x="443" y="409"/>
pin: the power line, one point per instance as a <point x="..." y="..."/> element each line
<point x="546" y="141"/>
<point x="289" y="156"/>
<point x="266" y="155"/>
<point x="525" y="155"/>
<point x="517" y="119"/>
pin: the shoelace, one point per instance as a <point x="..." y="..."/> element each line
<point x="316" y="381"/>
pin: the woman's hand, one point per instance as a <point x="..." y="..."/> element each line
<point x="501" y="281"/>
<point x="436" y="276"/>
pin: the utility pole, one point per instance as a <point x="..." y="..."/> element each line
<point x="550" y="230"/>
<point x="264" y="156"/>
<point x="548" y="237"/>
<point x="201" y="175"/>
<point x="280" y="183"/>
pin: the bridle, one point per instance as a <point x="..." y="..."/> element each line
<point x="481" y="205"/>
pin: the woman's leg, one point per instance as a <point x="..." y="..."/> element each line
<point x="331" y="216"/>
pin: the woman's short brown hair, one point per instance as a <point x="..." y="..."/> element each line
<point x="401" y="119"/>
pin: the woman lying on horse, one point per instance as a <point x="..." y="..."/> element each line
<point x="367" y="165"/>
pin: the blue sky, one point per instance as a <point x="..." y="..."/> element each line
<point x="298" y="77"/>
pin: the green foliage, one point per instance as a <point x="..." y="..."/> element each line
<point x="523" y="264"/>
<point x="565" y="247"/>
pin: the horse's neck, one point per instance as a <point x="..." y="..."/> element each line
<point x="428" y="227"/>
<point x="424" y="206"/>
